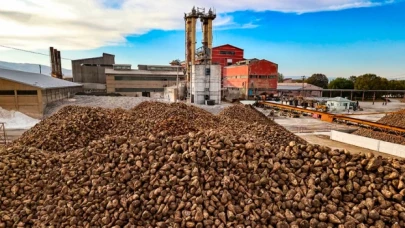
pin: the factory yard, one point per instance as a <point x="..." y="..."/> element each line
<point x="303" y="124"/>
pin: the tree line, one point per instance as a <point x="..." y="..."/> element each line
<point x="362" y="82"/>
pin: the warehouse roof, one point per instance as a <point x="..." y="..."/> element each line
<point x="290" y="87"/>
<point x="297" y="86"/>
<point x="339" y="99"/>
<point x="142" y="72"/>
<point x="36" y="80"/>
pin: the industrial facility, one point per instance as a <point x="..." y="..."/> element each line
<point x="91" y="71"/>
<point x="146" y="81"/>
<point x="251" y="77"/>
<point x="29" y="93"/>
<point x="213" y="141"/>
<point x="203" y="78"/>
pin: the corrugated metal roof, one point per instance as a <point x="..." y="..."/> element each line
<point x="142" y="72"/>
<point x="339" y="99"/>
<point x="297" y="87"/>
<point x="289" y="87"/>
<point x="36" y="80"/>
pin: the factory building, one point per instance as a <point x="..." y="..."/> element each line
<point x="92" y="77"/>
<point x="29" y="93"/>
<point x="251" y="77"/>
<point x="146" y="81"/>
<point x="226" y="55"/>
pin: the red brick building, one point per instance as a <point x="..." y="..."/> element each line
<point x="226" y="55"/>
<point x="253" y="76"/>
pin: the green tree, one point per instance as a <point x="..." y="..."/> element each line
<point x="341" y="83"/>
<point x="353" y="78"/>
<point x="396" y="85"/>
<point x="319" y="80"/>
<point x="371" y="82"/>
<point x="280" y="77"/>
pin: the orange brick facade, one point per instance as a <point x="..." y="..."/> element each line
<point x="256" y="77"/>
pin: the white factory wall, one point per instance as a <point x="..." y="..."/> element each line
<point x="369" y="143"/>
<point x="199" y="79"/>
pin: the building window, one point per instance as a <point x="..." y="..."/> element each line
<point x="207" y="71"/>
<point x="227" y="52"/>
<point x="145" y="78"/>
<point x="26" y="92"/>
<point x="6" y="92"/>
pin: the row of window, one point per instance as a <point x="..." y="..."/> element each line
<point x="230" y="77"/>
<point x="131" y="78"/>
<point x="122" y="67"/>
<point x="161" y="68"/>
<point x="263" y="76"/>
<point x="19" y="92"/>
<point x="128" y="90"/>
<point x="227" y="52"/>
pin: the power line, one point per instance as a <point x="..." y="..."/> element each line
<point x="33" y="52"/>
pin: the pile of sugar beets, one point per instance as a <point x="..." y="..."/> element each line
<point x="94" y="167"/>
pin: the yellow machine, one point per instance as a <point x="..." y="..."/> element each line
<point x="321" y="107"/>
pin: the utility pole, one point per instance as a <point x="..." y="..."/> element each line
<point x="303" y="81"/>
<point x="177" y="82"/>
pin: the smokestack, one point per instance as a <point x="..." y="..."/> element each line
<point x="51" y="54"/>
<point x="59" y="66"/>
<point x="55" y="62"/>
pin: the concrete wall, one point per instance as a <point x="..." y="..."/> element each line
<point x="233" y="93"/>
<point x="199" y="81"/>
<point x="91" y="74"/>
<point x="94" y="86"/>
<point x="369" y="143"/>
<point x="139" y="84"/>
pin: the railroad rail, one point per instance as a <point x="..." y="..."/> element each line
<point x="338" y="118"/>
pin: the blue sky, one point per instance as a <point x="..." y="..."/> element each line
<point x="307" y="39"/>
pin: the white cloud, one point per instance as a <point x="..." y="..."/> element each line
<point x="88" y="24"/>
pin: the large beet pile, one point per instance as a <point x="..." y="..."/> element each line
<point x="235" y="174"/>
<point x="396" y="119"/>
